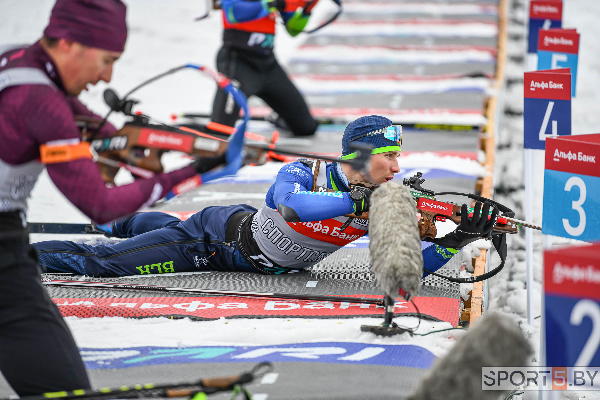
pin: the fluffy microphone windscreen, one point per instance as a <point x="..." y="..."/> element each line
<point x="493" y="341"/>
<point x="394" y="241"/>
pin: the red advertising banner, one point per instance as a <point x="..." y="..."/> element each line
<point x="573" y="272"/>
<point x="559" y="40"/>
<point x="545" y="9"/>
<point x="441" y="308"/>
<point x="554" y="84"/>
<point x="579" y="154"/>
<point x="166" y="140"/>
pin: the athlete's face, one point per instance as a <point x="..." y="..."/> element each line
<point x="384" y="166"/>
<point x="86" y="65"/>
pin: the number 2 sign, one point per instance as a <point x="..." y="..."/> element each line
<point x="571" y="306"/>
<point x="572" y="187"/>
<point x="547" y="106"/>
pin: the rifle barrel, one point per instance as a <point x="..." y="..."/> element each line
<point x="525" y="223"/>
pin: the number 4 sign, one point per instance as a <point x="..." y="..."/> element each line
<point x="572" y="187"/>
<point x="547" y="108"/>
<point x="571" y="306"/>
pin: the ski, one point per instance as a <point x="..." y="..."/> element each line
<point x="344" y="121"/>
<point x="59" y="227"/>
<point x="148" y="390"/>
<point x="199" y="291"/>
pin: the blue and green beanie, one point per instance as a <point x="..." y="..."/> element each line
<point x="375" y="130"/>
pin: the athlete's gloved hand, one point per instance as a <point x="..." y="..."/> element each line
<point x="203" y="164"/>
<point x="274" y="5"/>
<point x="470" y="228"/>
<point x="361" y="197"/>
<point x="297" y="22"/>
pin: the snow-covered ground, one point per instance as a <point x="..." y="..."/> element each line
<point x="181" y="41"/>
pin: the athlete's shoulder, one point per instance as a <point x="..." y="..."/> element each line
<point x="299" y="168"/>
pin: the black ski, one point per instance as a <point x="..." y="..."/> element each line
<point x="342" y="121"/>
<point x="199" y="291"/>
<point x="186" y="390"/>
<point x="59" y="227"/>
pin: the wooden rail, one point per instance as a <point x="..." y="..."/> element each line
<point x="487" y="144"/>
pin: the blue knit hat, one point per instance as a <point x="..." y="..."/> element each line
<point x="375" y="130"/>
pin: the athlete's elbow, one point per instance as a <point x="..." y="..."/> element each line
<point x="288" y="213"/>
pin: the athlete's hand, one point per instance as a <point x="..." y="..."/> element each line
<point x="297" y="22"/>
<point x="203" y="164"/>
<point x="361" y="197"/>
<point x="275" y="5"/>
<point x="470" y="228"/>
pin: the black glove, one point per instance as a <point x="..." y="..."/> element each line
<point x="361" y="197"/>
<point x="278" y="4"/>
<point x="203" y="164"/>
<point x="470" y="228"/>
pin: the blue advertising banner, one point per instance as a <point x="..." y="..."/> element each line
<point x="318" y="352"/>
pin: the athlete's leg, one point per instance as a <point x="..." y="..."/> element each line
<point x="160" y="251"/>
<point x="223" y="254"/>
<point x="283" y="97"/>
<point x="236" y="66"/>
<point x="142" y="222"/>
<point x="37" y="351"/>
<point x="180" y="248"/>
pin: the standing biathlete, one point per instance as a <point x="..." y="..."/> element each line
<point x="247" y="58"/>
<point x="297" y="226"/>
<point x="39" y="85"/>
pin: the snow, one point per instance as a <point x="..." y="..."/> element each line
<point x="163" y="35"/>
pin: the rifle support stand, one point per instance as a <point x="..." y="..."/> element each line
<point x="388" y="327"/>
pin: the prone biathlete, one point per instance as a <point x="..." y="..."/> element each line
<point x="247" y="58"/>
<point x="297" y="226"/>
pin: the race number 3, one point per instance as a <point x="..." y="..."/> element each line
<point x="576" y="205"/>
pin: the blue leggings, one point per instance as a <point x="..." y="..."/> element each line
<point x="158" y="243"/>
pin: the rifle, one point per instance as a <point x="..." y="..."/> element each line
<point x="139" y="145"/>
<point x="433" y="210"/>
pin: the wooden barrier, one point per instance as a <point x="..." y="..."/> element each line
<point x="487" y="144"/>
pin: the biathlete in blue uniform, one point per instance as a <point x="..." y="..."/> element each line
<point x="247" y="58"/>
<point x="296" y="227"/>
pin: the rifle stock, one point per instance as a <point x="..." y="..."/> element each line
<point x="141" y="145"/>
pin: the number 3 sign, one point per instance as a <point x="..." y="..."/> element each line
<point x="572" y="187"/>
<point x="547" y="108"/>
